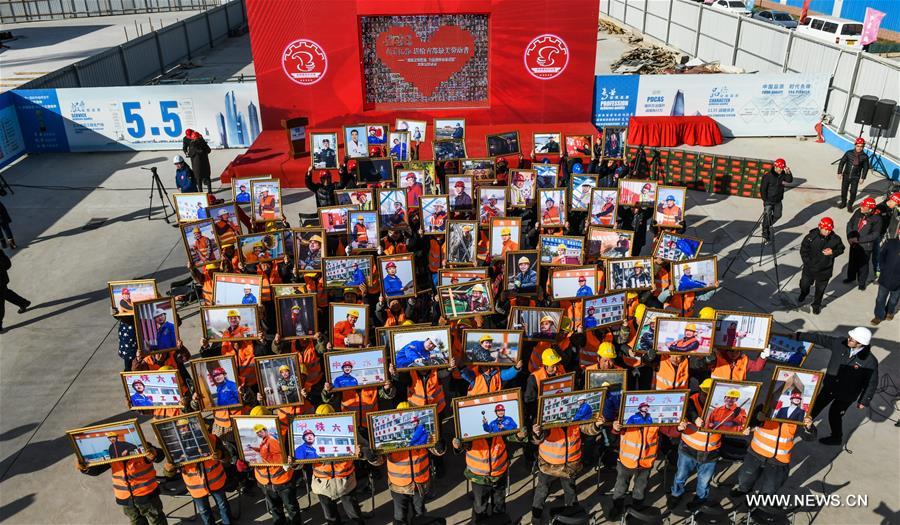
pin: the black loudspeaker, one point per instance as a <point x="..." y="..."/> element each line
<point x="884" y="113"/>
<point x="865" y="111"/>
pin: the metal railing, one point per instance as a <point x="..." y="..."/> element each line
<point x="18" y="11"/>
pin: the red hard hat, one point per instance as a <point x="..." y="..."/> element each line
<point x="796" y="395"/>
<point x="390" y="264"/>
<point x="218" y="371"/>
<point x="347" y="363"/>
<point x="642" y="405"/>
<point x="868" y="202"/>
<point x="460" y="184"/>
<point x="895" y="197"/>
<point x="308" y="432"/>
<point x="499" y="407"/>
<point x="826" y="223"/>
<point x="780" y="163"/>
<point x="860" y="140"/>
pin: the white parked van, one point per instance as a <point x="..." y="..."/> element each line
<point x="833" y="30"/>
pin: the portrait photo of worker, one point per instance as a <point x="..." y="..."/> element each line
<point x="216" y="382"/>
<point x="123" y="294"/>
<point x="230" y="323"/>
<point x="492" y="203"/>
<point x="403" y="429"/>
<point x="560" y="251"/>
<point x="392" y="209"/>
<point x="503" y="143"/>
<point x="108" y="443"/>
<point x="398" y="274"/>
<point x="579" y="145"/>
<point x="492" y="347"/>
<point x="679" y="335"/>
<point x="670" y="207"/>
<point x="349" y="325"/>
<point x="571" y="283"/>
<point x="280" y="380"/>
<point x="466" y="299"/>
<point x="296" y="316"/>
<point x="421" y="348"/>
<point x="323" y="436"/>
<point x="521" y="272"/>
<point x="351" y="369"/>
<point x="633" y="273"/>
<point x="604" y="310"/>
<point x="258" y="440"/>
<point x="522" y="188"/>
<point x="149" y="391"/>
<point x="493" y="414"/>
<point x="236" y="288"/>
<point x="449" y="128"/>
<point x="325" y="146"/>
<point x="696" y="275"/>
<point x="399" y="145"/>
<point x="636" y="192"/>
<point x="614" y="142"/>
<point x="266" y="200"/>
<point x="462" y="243"/>
<point x="552" y="212"/>
<point x="542" y="324"/>
<point x="461" y="190"/>
<point x="156" y="325"/>
<point x="201" y="243"/>
<point x="603" y="207"/>
<point x="505" y="236"/>
<point x="363" y="231"/>
<point x="183" y="438"/>
<point x="435" y="214"/>
<point x="190" y="207"/>
<point x="571" y="408"/>
<point x="356" y="142"/>
<point x="652" y="407"/>
<point x="257" y="248"/>
<point x="728" y="406"/>
<point x="792" y="393"/>
<point x="742" y="330"/>
<point x="675" y="248"/>
<point x="449" y="149"/>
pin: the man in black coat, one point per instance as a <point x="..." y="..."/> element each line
<point x="863" y="231"/>
<point x="852" y="169"/>
<point x="888" y="282"/>
<point x="818" y="250"/>
<point x="852" y="375"/>
<point x="198" y="151"/>
<point x="5" y="293"/>
<point x="771" y="191"/>
<point x="324" y="189"/>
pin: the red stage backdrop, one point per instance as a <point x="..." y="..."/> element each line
<point x="492" y="62"/>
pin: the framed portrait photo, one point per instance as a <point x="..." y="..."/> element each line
<point x="506" y="143"/>
<point x="420" y="348"/>
<point x="537" y="324"/>
<point x="149" y="390"/>
<point x="353" y="369"/>
<point x="552" y="208"/>
<point x="201" y="243"/>
<point x="684" y="336"/>
<point x="413" y="181"/>
<point x="614" y="140"/>
<point x="450" y="149"/>
<point x="561" y="251"/>
<point x="363" y="231"/>
<point x="258" y="440"/>
<point x="296" y="316"/>
<point x="392" y="209"/>
<point x="349" y="325"/>
<point x="398" y="275"/>
<point x="521" y="272"/>
<point x="792" y="393"/>
<point x="573" y="282"/>
<point x="342" y="272"/>
<point x="266" y="196"/>
<point x="190" y="207"/>
<point x="321" y="438"/>
<point x="399" y="144"/>
<point x="579" y="146"/>
<point x="785" y="350"/>
<point x="546" y="175"/>
<point x="447" y="277"/>
<point x="461" y="191"/>
<point x="403" y="429"/>
<point x="558" y="384"/>
<point x="429" y="182"/>
<point x="492" y="201"/>
<point x="607" y="243"/>
<point x="505" y="235"/>
<point x="123" y="294"/>
<point x="236" y="288"/>
<point x="216" y="382"/>
<point x="580" y="189"/>
<point x="308" y="252"/>
<point x="481" y="170"/>
<point x="636" y="192"/>
<point x="225" y="222"/>
<point x="647" y="329"/>
<point x="240" y="190"/>
<point x="675" y="248"/>
<point x="108" y="443"/>
<point x="156" y="325"/>
<point x="360" y="198"/>
<point x="492" y="347"/>
<point x="375" y="170"/>
<point x="522" y="188"/>
<point x="603" y="207"/>
<point x="493" y="414"/>
<point x="742" y="331"/>
<point x="670" y="206"/>
<point x="434" y="214"/>
<point x="652" y="408"/>
<point x="572" y="408"/>
<point x="547" y="143"/>
<point x="280" y="380"/>
<point x="449" y="128"/>
<point x="184" y="439"/>
<point x="355" y="143"/>
<point x="334" y="219"/>
<point x="462" y="243"/>
<point x="325" y="150"/>
<point x="695" y="275"/>
<point x="377" y="134"/>
<point x="631" y="273"/>
<point x="604" y="310"/>
<point x="417" y="128"/>
<point x="728" y="406"/>
<point x="230" y="323"/>
<point x="261" y="247"/>
<point x="469" y="299"/>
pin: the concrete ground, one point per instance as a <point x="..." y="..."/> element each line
<point x="59" y="367"/>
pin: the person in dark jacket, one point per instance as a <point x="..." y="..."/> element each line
<point x="852" y="376"/>
<point x="818" y="250"/>
<point x="771" y="191"/>
<point x="5" y="293"/>
<point x="198" y="151"/>
<point x="888" y="282"/>
<point x="890" y="226"/>
<point x="184" y="175"/>
<point x="186" y="140"/>
<point x="6" y="234"/>
<point x="863" y="231"/>
<point x="852" y="169"/>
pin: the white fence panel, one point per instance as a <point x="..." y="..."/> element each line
<point x="761" y="47"/>
<point x="634" y="14"/>
<point x="712" y="50"/>
<point x="617" y="10"/>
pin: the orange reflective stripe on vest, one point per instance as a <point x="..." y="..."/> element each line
<point x="408" y="467"/>
<point x="360" y="401"/>
<point x="734" y="371"/>
<point x="562" y="445"/>
<point x="428" y="392"/>
<point x="637" y="448"/>
<point x="774" y="440"/>
<point x="485" y="459"/>
<point x="697" y="439"/>
<point x="133" y="478"/>
<point x="203" y="478"/>
<point x="485" y="383"/>
<point x="668" y="378"/>
<point x="272" y="475"/>
<point x="334" y="469"/>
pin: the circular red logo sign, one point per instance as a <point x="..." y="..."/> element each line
<point x="546" y="57"/>
<point x="304" y="62"/>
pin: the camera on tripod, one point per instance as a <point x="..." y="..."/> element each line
<point x="152" y="171"/>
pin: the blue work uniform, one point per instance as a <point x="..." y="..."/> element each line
<point x="165" y="337"/>
<point x="392" y="285"/>
<point x="419" y="436"/>
<point x="345" y="380"/>
<point x="500" y="425"/>
<point x="227" y="393"/>
<point x="409" y="353"/>
<point x="305" y="451"/>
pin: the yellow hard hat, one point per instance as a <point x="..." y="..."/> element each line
<point x="630" y="296"/>
<point x="734" y="392"/>
<point x="550" y="357"/>
<point x="260" y="245"/>
<point x="324" y="409"/>
<point x="351" y="289"/>
<point x="195" y="230"/>
<point x="704" y="386"/>
<point x="478" y="288"/>
<point x="354" y="313"/>
<point x="692" y="327"/>
<point x="685" y="267"/>
<point x="407" y="322"/>
<point x="111" y="434"/>
<point x="467" y="228"/>
<point x="259" y="426"/>
<point x="606" y="350"/>
<point x="563" y="246"/>
<point x="259" y="410"/>
<point x="403" y="404"/>
<point x="707" y="312"/>
<point x="505" y="231"/>
<point x="233" y="313"/>
<point x="639" y="264"/>
<point x="547" y="319"/>
<point x="605" y="383"/>
<point x="485" y="337"/>
<point x="639" y="312"/>
<point x="182" y="423"/>
<point x="524" y="259"/>
<point x="211" y="266"/>
<point x="167" y="367"/>
<point x="317" y="238"/>
<point x="284" y="368"/>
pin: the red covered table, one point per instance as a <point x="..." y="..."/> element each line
<point x="673" y="131"/>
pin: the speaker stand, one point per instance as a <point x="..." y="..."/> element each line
<point x="875" y="161"/>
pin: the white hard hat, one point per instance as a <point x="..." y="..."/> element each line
<point x="177" y="159"/>
<point x="860" y="334"/>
